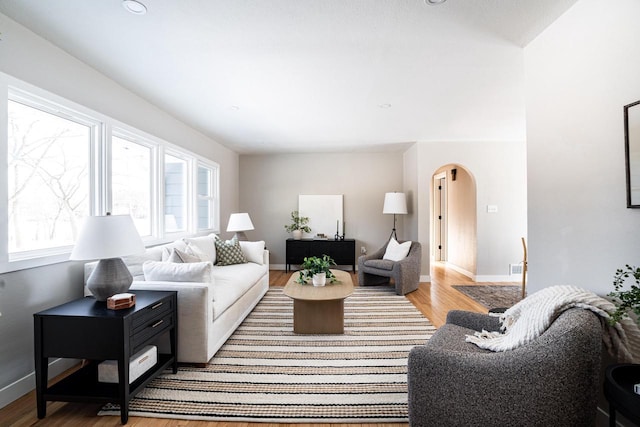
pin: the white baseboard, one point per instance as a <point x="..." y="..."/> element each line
<point x="424" y="279"/>
<point x="24" y="385"/>
<point x="482" y="278"/>
<point x="460" y="270"/>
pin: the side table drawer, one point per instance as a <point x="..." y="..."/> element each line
<point x="153" y="328"/>
<point x="142" y="318"/>
<point x="150" y="322"/>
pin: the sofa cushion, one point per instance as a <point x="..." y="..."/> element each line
<point x="178" y="272"/>
<point x="253" y="251"/>
<point x="134" y="262"/>
<point x="380" y="264"/>
<point x="228" y="252"/>
<point x="230" y="282"/>
<point x="397" y="251"/>
<point x="203" y="247"/>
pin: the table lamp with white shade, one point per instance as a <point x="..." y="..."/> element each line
<point x="240" y="222"/>
<point x="107" y="238"/>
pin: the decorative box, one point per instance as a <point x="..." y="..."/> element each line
<point x="140" y="363"/>
<point x="120" y="301"/>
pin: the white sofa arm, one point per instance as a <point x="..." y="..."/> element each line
<point x="265" y="257"/>
<point x="195" y="315"/>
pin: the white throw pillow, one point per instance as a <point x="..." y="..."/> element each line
<point x="397" y="251"/>
<point x="253" y="251"/>
<point x="166" y="249"/>
<point x="180" y="256"/>
<point x="202" y="247"/>
<point x="178" y="272"/>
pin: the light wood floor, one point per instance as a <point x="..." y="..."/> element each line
<point x="433" y="299"/>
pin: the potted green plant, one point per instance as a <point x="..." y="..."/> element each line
<point x="625" y="300"/>
<point x="317" y="269"/>
<point x="298" y="225"/>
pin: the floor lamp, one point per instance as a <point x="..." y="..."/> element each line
<point x="396" y="204"/>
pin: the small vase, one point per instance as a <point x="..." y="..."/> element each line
<point x="319" y="279"/>
<point x="297" y="234"/>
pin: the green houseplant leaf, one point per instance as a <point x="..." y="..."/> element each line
<point x="313" y="265"/>
<point x="298" y="223"/>
<point x="628" y="300"/>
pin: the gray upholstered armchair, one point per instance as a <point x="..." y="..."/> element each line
<point x="551" y="381"/>
<point x="373" y="270"/>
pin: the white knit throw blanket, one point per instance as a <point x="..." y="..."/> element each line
<point x="529" y="318"/>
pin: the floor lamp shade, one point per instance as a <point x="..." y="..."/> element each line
<point x="396" y="204"/>
<point x="240" y="222"/>
<point x="107" y="238"/>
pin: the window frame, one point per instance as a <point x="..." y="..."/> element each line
<point x="103" y="130"/>
<point x="214" y="197"/>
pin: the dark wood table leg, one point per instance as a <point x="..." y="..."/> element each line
<point x="42" y="370"/>
<point x="173" y="342"/>
<point x="123" y="388"/>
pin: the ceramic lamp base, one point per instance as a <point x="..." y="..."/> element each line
<point x="111" y="276"/>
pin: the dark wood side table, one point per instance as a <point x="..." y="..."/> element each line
<point x="342" y="251"/>
<point x="87" y="329"/>
<point x="618" y="389"/>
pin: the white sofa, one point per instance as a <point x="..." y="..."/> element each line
<point x="209" y="311"/>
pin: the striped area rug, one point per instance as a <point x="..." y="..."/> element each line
<point x="266" y="373"/>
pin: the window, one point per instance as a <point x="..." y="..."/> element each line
<point x="131" y="176"/>
<point x="61" y="162"/>
<point x="48" y="166"/>
<point x="205" y="197"/>
<point x="175" y="194"/>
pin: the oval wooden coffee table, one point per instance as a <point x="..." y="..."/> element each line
<point x="319" y="309"/>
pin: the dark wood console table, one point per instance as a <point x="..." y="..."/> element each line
<point x="342" y="251"/>
<point x="87" y="329"/>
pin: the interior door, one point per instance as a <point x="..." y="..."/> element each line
<point x="440" y="217"/>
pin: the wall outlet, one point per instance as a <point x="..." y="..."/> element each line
<point x="363" y="250"/>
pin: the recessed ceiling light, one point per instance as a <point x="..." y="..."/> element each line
<point x="384" y="105"/>
<point x="434" y="2"/>
<point x="134" y="7"/>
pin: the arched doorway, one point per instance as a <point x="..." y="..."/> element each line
<point x="454" y="219"/>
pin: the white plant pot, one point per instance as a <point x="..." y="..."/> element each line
<point x="319" y="279"/>
<point x="297" y="234"/>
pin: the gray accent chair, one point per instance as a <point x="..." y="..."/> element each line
<point x="373" y="270"/>
<point x="551" y="381"/>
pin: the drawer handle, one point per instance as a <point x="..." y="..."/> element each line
<point x="158" y="323"/>
<point x="156" y="306"/>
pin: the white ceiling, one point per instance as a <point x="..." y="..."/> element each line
<point x="299" y="75"/>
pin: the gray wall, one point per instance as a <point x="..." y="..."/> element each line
<point x="270" y="185"/>
<point x="499" y="171"/>
<point x="28" y="57"/>
<point x="580" y="229"/>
